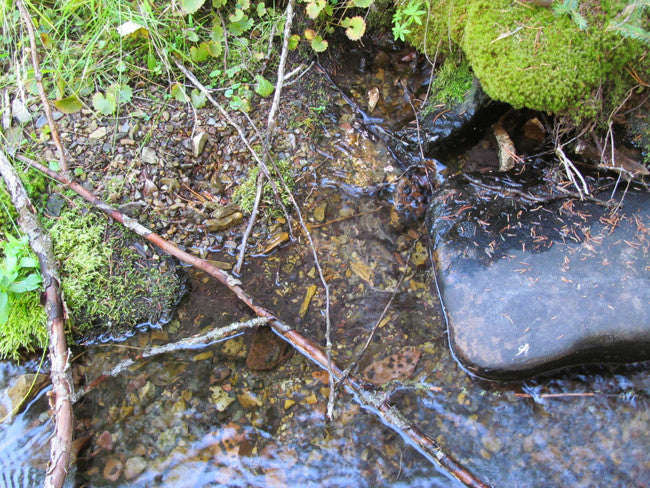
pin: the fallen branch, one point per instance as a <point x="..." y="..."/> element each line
<point x="38" y="78"/>
<point x="60" y="395"/>
<point x="374" y="403"/>
<point x="218" y="334"/>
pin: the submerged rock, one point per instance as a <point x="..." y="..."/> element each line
<point x="530" y="288"/>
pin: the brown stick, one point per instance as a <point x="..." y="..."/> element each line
<point x="60" y="396"/>
<point x="373" y="402"/>
<point x="38" y="78"/>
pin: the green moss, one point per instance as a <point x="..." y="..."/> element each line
<point x="536" y="58"/>
<point x="453" y="80"/>
<point x="104" y="282"/>
<point x="244" y="195"/>
<point x="25" y="329"/>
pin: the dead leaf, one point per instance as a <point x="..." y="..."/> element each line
<point x="305" y="303"/>
<point x="373" y="98"/>
<point x="397" y="366"/>
<point x="363" y="271"/>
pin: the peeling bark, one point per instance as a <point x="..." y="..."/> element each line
<point x="60" y="395"/>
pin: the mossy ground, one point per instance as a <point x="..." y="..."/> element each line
<point x="107" y="286"/>
<point x="533" y="57"/>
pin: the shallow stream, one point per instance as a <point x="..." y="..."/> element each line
<point x="203" y="417"/>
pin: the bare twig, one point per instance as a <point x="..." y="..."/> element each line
<point x="60" y="396"/>
<point x="38" y="78"/>
<point x="217" y="334"/>
<point x="270" y="125"/>
<point x="372" y="402"/>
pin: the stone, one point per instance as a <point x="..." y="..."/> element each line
<point x="22" y="390"/>
<point x="529" y="289"/>
<point x="133" y="467"/>
<point x="449" y="127"/>
<point x="198" y="143"/>
<point x="98" y="133"/>
<point x="149" y="156"/>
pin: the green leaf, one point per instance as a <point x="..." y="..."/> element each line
<point x="219" y="3"/>
<point x="28" y="262"/>
<point x="198" y="98"/>
<point x="191" y="6"/>
<point x="32" y="282"/>
<point x="216" y="49"/>
<point x="314" y="8"/>
<point x="121" y="93"/>
<point x="261" y="9"/>
<point x="355" y="27"/>
<point x="244" y="4"/>
<point x="200" y="53"/>
<point x="294" y="40"/>
<point x="69" y="105"/>
<point x="318" y="44"/>
<point x="216" y="34"/>
<point x="362" y="3"/>
<point x="237" y="16"/>
<point x="104" y="104"/>
<point x="178" y="92"/>
<point x="263" y="87"/>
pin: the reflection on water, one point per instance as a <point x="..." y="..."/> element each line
<point x="24" y="441"/>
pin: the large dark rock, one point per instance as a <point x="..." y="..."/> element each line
<point x="529" y="288"/>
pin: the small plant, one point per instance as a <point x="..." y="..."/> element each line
<point x="571" y="7"/>
<point x="453" y="80"/>
<point x="405" y="17"/>
<point x="18" y="273"/>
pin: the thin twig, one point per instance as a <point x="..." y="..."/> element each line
<point x="38" y="78"/>
<point x="60" y="395"/>
<point x="270" y="125"/>
<point x="374" y="403"/>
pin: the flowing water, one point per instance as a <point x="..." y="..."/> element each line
<point x="202" y="417"/>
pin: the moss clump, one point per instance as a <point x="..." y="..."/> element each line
<point x="104" y="282"/>
<point x="453" y="80"/>
<point x="534" y="57"/>
<point x="26" y="328"/>
<point x="244" y="195"/>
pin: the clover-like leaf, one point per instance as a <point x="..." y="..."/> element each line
<point x="104" y="104"/>
<point x="198" y="98"/>
<point x="178" y="92"/>
<point x="69" y="105"/>
<point x="362" y="3"/>
<point x="355" y="27"/>
<point x="318" y="44"/>
<point x="200" y="53"/>
<point x="263" y="87"/>
<point x="314" y="8"/>
<point x="294" y="40"/>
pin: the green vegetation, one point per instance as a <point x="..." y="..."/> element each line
<point x="103" y="281"/>
<point x="575" y="58"/>
<point x="22" y="318"/>
<point x="244" y="195"/>
<point x="453" y="80"/>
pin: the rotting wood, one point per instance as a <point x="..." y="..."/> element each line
<point x="61" y="393"/>
<point x="374" y="403"/>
